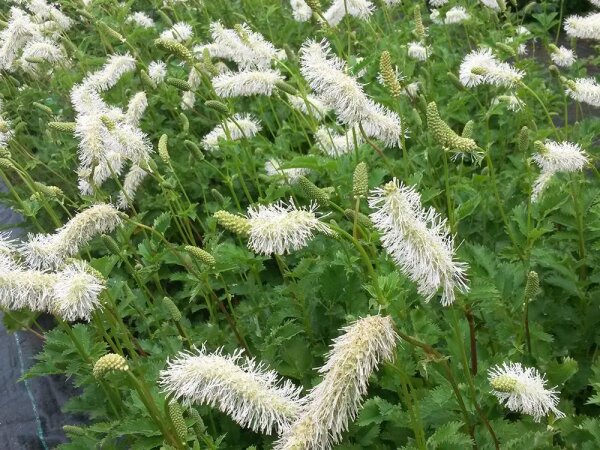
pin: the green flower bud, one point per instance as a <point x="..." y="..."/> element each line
<point x="361" y="218"/>
<point x="43" y="108"/>
<point x="174" y="47"/>
<point x="163" y="151"/>
<point x="147" y="81"/>
<point x="232" y="222"/>
<point x="532" y="287"/>
<point x="360" y="180"/>
<point x="176" y="416"/>
<point x="191" y="146"/>
<point x="110" y="32"/>
<point x="389" y="75"/>
<point x="179" y="84"/>
<point x="63" y="127"/>
<point x="172" y="309"/>
<point x="201" y="254"/>
<point x="312" y="191"/>
<point x="524" y="139"/>
<point x="468" y="129"/>
<point x="185" y="123"/>
<point x="285" y="87"/>
<point x="217" y="106"/>
<point x="444" y="135"/>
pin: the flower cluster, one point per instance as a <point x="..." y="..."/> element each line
<point x="31" y="37"/>
<point x="109" y="138"/>
<point x="327" y="76"/>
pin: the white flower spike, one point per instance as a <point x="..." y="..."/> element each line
<point x="281" y="228"/>
<point x="248" y="392"/>
<point x="418" y="241"/>
<point x="523" y="390"/>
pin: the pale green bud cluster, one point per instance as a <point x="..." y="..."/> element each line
<point x="109" y="363"/>
<point x="236" y="224"/>
<point x="504" y="383"/>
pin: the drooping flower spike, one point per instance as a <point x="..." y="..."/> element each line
<point x="418" y="240"/>
<point x="47" y="251"/>
<point x="335" y="401"/>
<point x="252" y="395"/>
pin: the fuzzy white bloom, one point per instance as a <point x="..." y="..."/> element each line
<point x="326" y="75"/>
<point x="281" y="228"/>
<point x="312" y="105"/>
<point x="491" y="4"/>
<point x="300" y="10"/>
<point x="44" y="50"/>
<point x="553" y="157"/>
<point x="140" y="19"/>
<point x="179" y="32"/>
<point x="273" y="169"/>
<point x="136" y="108"/>
<point x="240" y="126"/>
<point x="51" y="250"/>
<point x="107" y="135"/>
<point x="417" y="50"/>
<point x="334" y="402"/>
<point x="246" y="83"/>
<point x="418" y="241"/>
<point x="248" y="49"/>
<point x="361" y="9"/>
<point x="383" y="124"/>
<point x="411" y="90"/>
<point x="247" y="391"/>
<point x="76" y="292"/>
<point x="482" y="67"/>
<point x="18" y="32"/>
<point x="111" y="73"/>
<point x="584" y="90"/>
<point x="131" y="183"/>
<point x="188" y="99"/>
<point x="562" y="56"/>
<point x="21" y="288"/>
<point x="437" y="3"/>
<point x="8" y="245"/>
<point x="523" y="390"/>
<point x="456" y="14"/>
<point x="513" y="103"/>
<point x="587" y="27"/>
<point x="42" y="11"/>
<point x="157" y="71"/>
<point x="436" y="17"/>
<point x="596" y="3"/>
<point x="336" y="145"/>
<point x="561" y="157"/>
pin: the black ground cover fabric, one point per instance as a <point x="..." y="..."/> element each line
<point x="30" y="411"/>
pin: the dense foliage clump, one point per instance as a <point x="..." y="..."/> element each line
<point x="307" y="224"/>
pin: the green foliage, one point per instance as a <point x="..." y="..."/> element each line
<point x="180" y="274"/>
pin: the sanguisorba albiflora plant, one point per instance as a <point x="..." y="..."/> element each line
<point x="213" y="192"/>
